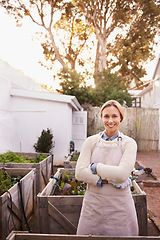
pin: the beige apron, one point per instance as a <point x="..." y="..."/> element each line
<point x="108" y="210"/>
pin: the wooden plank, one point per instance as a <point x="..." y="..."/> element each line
<point x="47" y="163"/>
<point x="15" y="209"/>
<point x="28" y="183"/>
<point x="61" y="219"/>
<point x="34" y="236"/>
<point x="48" y="190"/>
<point x="66" y="200"/>
<point x="18" y="171"/>
<point x="137" y="188"/>
<point x="44" y="177"/>
<point x="43" y="218"/>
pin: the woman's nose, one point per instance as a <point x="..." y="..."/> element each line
<point x="110" y="120"/>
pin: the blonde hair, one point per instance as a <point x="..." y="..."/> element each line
<point x="115" y="104"/>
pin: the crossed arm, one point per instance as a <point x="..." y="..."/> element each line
<point x="115" y="174"/>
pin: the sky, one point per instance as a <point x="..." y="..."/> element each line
<point x="20" y="50"/>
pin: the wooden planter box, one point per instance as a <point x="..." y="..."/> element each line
<point x="11" y="214"/>
<point x="34" y="236"/>
<point x="68" y="163"/>
<point x="60" y="214"/>
<point x="44" y="169"/>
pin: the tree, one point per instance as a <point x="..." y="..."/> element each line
<point x="44" y="143"/>
<point x="107" y="86"/>
<point x="110" y="86"/>
<point x="74" y="84"/>
<point x="125" y="32"/>
<point x="71" y="41"/>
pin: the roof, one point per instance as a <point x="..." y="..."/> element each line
<point x="147" y="89"/>
<point x="157" y="68"/>
<point x="72" y="100"/>
<point x="23" y="86"/>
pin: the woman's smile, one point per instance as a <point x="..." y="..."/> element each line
<point x="111" y="120"/>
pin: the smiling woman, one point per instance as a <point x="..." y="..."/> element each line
<point x="105" y="164"/>
<point x="112" y="115"/>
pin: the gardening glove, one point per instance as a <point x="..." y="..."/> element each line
<point x="125" y="184"/>
<point x="93" y="167"/>
<point x="99" y="183"/>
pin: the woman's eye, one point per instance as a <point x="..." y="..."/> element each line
<point x="114" y="116"/>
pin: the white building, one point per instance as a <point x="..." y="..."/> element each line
<point x="26" y="109"/>
<point x="149" y="97"/>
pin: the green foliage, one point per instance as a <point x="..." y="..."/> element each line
<point x="70" y="186"/>
<point x="18" y="158"/>
<point x="74" y="84"/>
<point x="75" y="156"/>
<point x="110" y="86"/>
<point x="133" y="191"/>
<point x="107" y="86"/>
<point x="6" y="180"/>
<point x="127" y="29"/>
<point x="44" y="143"/>
<point x="123" y="32"/>
<point x="12" y="157"/>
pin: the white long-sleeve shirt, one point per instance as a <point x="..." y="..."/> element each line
<point x="117" y="174"/>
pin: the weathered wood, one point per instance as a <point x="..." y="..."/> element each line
<point x="34" y="236"/>
<point x="136" y="124"/>
<point x="59" y="217"/>
<point x="11" y="215"/>
<point x="70" y="206"/>
<point x="44" y="169"/>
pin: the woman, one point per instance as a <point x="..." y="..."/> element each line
<point x="105" y="164"/>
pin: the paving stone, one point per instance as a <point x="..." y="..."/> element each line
<point x="151" y="186"/>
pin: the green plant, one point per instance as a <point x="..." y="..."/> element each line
<point x="18" y="158"/>
<point x="133" y="191"/>
<point x="6" y="180"/>
<point x="75" y="156"/>
<point x="44" y="143"/>
<point x="70" y="186"/>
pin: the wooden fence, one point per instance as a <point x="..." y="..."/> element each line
<point x="142" y="124"/>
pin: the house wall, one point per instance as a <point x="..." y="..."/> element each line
<point x="156" y="99"/>
<point x="7" y="129"/>
<point x="147" y="99"/>
<point x="32" y="116"/>
<point x="26" y="109"/>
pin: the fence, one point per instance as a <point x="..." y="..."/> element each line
<point x="142" y="124"/>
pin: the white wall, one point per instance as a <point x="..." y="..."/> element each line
<point x="26" y="109"/>
<point x="38" y="115"/>
<point x="147" y="99"/>
<point x="7" y="130"/>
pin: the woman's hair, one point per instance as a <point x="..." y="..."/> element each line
<point x="115" y="104"/>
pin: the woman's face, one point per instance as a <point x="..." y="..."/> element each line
<point x="111" y="119"/>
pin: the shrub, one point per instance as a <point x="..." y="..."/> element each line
<point x="44" y="143"/>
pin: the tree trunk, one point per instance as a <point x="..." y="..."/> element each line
<point x="100" y="62"/>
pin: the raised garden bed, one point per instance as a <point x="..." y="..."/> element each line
<point x="71" y="160"/>
<point x="44" y="168"/>
<point x="59" y="214"/>
<point x="32" y="236"/>
<point x="18" y="203"/>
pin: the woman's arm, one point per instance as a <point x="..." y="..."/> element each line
<point x="82" y="172"/>
<point x="120" y="173"/>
